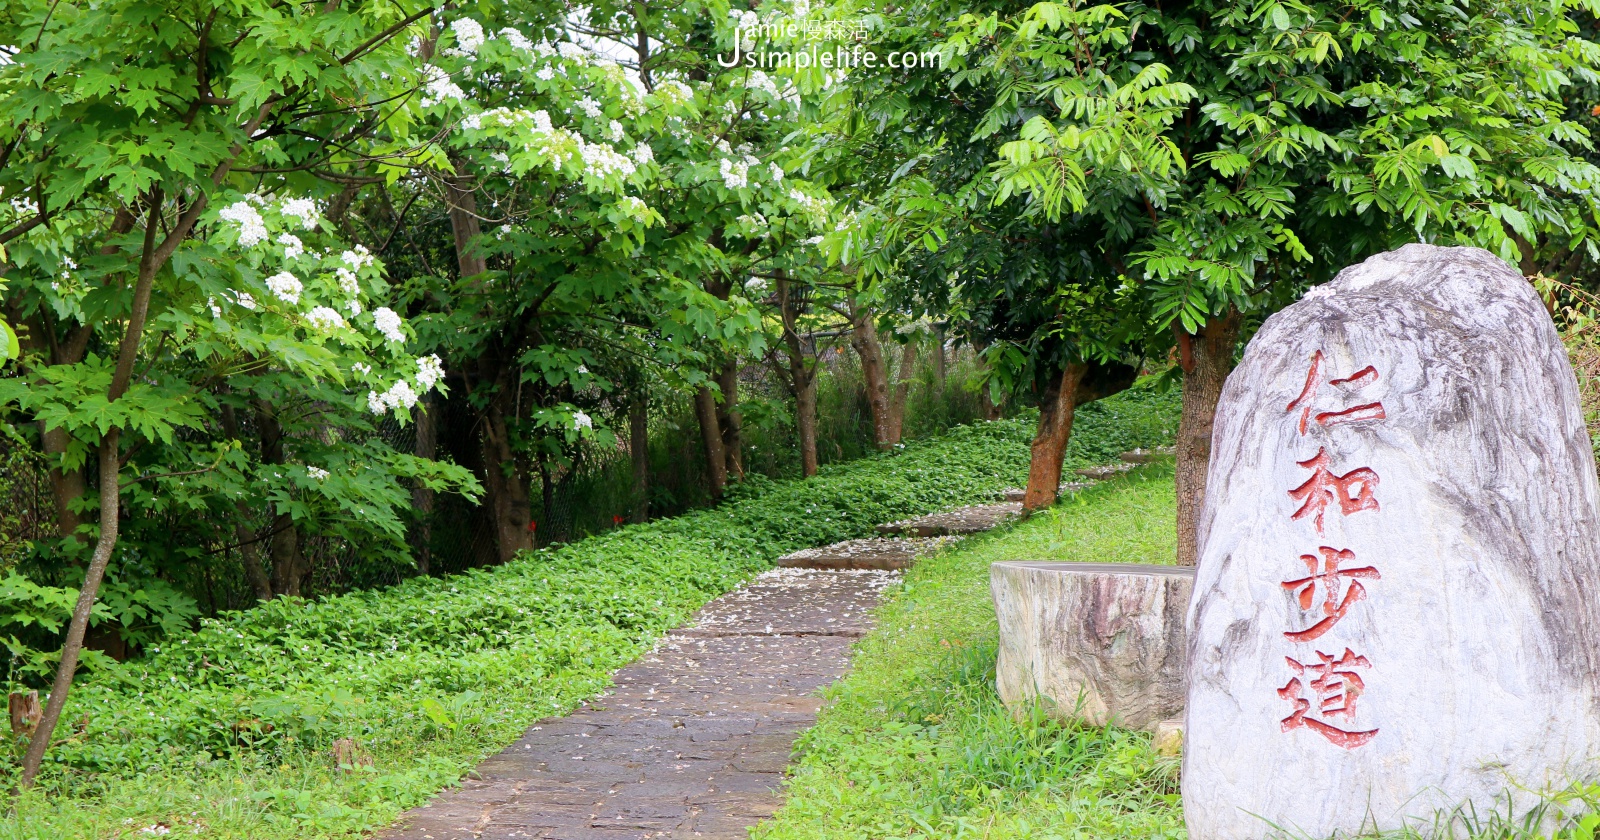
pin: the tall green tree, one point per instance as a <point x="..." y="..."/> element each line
<point x="170" y="264"/>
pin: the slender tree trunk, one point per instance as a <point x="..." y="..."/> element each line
<point x="902" y="392"/>
<point x="1206" y="360"/>
<point x="505" y="485"/>
<point x="66" y="486"/>
<point x="255" y="574"/>
<point x="802" y="376"/>
<point x="547" y="503"/>
<point x="728" y="420"/>
<point x="1078" y="384"/>
<point x="151" y="259"/>
<point x="639" y="448"/>
<point x="705" y="409"/>
<point x="864" y="338"/>
<point x="422" y="498"/>
<point x="991" y="410"/>
<point x="287" y="563"/>
<point x="939" y="373"/>
<point x="1057" y="406"/>
<point x="464" y="224"/>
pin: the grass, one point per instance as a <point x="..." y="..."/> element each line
<point x="915" y="743"/>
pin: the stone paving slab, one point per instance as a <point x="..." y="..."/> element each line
<point x="1016" y="494"/>
<point x="961" y="521"/>
<point x="693" y="738"/>
<point x="873" y="553"/>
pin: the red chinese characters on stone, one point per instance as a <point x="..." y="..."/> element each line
<point x="1360" y="379"/>
<point x="1327" y="573"/>
<point x="1335" y="687"/>
<point x="1353" y="491"/>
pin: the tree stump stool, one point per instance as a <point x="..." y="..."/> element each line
<point x="1102" y="643"/>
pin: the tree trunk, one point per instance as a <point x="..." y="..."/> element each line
<point x="939" y="373"/>
<point x="66" y="486"/>
<point x="1206" y="360"/>
<point x="802" y="377"/>
<point x="1079" y="384"/>
<point x="464" y="224"/>
<point x="255" y="574"/>
<point x="991" y="410"/>
<point x="864" y="338"/>
<point x="422" y="498"/>
<point x="288" y="566"/>
<point x="705" y="409"/>
<point x="1056" y="409"/>
<point x="639" y="448"/>
<point x="728" y="420"/>
<point x="902" y="392"/>
<point x="505" y="485"/>
<point x="151" y="259"/>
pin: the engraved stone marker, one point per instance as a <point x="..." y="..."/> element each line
<point x="1397" y="607"/>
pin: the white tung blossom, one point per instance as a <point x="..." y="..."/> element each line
<point x="429" y="371"/>
<point x="546" y="73"/>
<point x="762" y="82"/>
<point x="358" y="259"/>
<point x="516" y="39"/>
<point x="643" y="154"/>
<point x="303" y="209"/>
<point x="292" y="246"/>
<point x="317" y="473"/>
<point x="673" y="90"/>
<point x="634" y="207"/>
<point x="572" y="52"/>
<point x="325" y="319"/>
<point x="591" y="107"/>
<point x="777" y="173"/>
<point x="735" y="175"/>
<point x="600" y="160"/>
<point x="348" y="281"/>
<point x="469" y="36"/>
<point x="616" y="132"/>
<point x="355" y="308"/>
<point x="216" y="311"/>
<point x="245" y="300"/>
<point x="252" y="230"/>
<point x="437" y="87"/>
<point x="581" y="421"/>
<point x="388" y="323"/>
<point x="362" y="368"/>
<point x="286" y="286"/>
<point x="399" y="395"/>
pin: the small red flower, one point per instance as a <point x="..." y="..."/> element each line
<point x="532" y="526"/>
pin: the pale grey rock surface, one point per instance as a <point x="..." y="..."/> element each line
<point x="1100" y="642"/>
<point x="1456" y="649"/>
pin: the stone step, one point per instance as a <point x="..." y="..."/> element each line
<point x="1105" y="472"/>
<point x="874" y="553"/>
<point x="965" y="520"/>
<point x="1145" y="456"/>
<point x="1016" y="494"/>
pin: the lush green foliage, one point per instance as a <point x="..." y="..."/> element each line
<point x="1094" y="173"/>
<point x="432" y="673"/>
<point x="915" y="742"/>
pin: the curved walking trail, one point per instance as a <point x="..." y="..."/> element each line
<point x="693" y="739"/>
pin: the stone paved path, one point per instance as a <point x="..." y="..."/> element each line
<point x="693" y="739"/>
